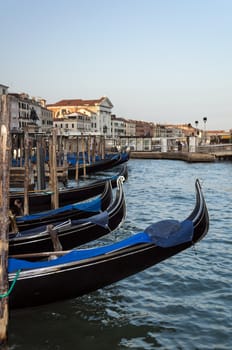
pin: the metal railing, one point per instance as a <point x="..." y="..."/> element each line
<point x="217" y="148"/>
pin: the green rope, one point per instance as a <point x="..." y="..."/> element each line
<point x="12" y="285"/>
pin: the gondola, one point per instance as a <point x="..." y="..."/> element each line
<point x="124" y="157"/>
<point x="79" y="272"/>
<point x="121" y="157"/>
<point x="99" y="165"/>
<point x="71" y="233"/>
<point x="40" y="201"/>
<point x="79" y="210"/>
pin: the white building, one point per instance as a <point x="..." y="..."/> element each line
<point x="28" y="112"/>
<point x="3" y="89"/>
<point x="130" y="127"/>
<point x="73" y="124"/>
<point x="118" y="127"/>
<point x="99" y="110"/>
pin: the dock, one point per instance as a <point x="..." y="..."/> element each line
<point x="220" y="151"/>
<point x="185" y="156"/>
<point x="205" y="153"/>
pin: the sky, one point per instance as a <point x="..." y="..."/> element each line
<point x="164" y="61"/>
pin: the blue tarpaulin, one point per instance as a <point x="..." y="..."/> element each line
<point x="165" y="234"/>
<point x="91" y="206"/>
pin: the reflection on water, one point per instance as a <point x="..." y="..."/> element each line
<point x="182" y="303"/>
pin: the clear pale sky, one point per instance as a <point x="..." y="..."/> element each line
<point x="166" y="61"/>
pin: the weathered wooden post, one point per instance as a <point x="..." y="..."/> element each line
<point x="94" y="149"/>
<point x="60" y="150"/>
<point x="40" y="162"/>
<point x="99" y="146"/>
<point x="103" y="147"/>
<point x="21" y="150"/>
<point x="89" y="148"/>
<point x="53" y="172"/>
<point x="83" y="155"/>
<point x="4" y="219"/>
<point x="65" y="160"/>
<point x="77" y="161"/>
<point x="26" y="167"/>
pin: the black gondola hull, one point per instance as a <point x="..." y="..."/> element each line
<point x="42" y="201"/>
<point x="50" y="284"/>
<point x="74" y="235"/>
<point x="106" y="198"/>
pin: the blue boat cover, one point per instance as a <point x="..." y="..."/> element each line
<point x="168" y="233"/>
<point x="91" y="206"/>
<point x="183" y="232"/>
<point x="72" y="158"/>
<point x="101" y="219"/>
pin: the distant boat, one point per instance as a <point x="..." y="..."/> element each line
<point x="82" y="271"/>
<point x="100" y="165"/>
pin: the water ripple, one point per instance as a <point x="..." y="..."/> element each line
<point x="182" y="303"/>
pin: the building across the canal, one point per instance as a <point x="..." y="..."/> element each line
<point x="74" y="117"/>
<point x="28" y="113"/>
<point x="92" y="115"/>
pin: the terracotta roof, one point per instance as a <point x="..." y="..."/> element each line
<point x="76" y="102"/>
<point x="217" y="131"/>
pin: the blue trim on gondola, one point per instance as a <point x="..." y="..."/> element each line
<point x="174" y="233"/>
<point x="101" y="219"/>
<point x="92" y="206"/>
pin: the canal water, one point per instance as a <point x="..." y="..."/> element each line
<point x="184" y="302"/>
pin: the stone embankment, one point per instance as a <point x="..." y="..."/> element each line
<point x="186" y="156"/>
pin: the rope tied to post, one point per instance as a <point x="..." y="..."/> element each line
<point x="12" y="285"/>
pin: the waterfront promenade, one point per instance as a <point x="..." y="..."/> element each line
<point x="185" y="156"/>
<point x="208" y="153"/>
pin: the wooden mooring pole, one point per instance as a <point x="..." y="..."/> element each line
<point x="94" y="149"/>
<point x="53" y="172"/>
<point x="4" y="216"/>
<point x="40" y="162"/>
<point x="77" y="161"/>
<point x="26" y="178"/>
<point x="89" y="148"/>
<point x="83" y="155"/>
